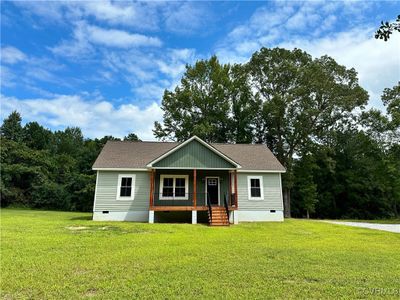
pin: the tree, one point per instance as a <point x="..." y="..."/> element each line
<point x="199" y="105"/>
<point x="391" y="99"/>
<point x="11" y="128"/>
<point x="69" y="141"/>
<point x="131" y="137"/>
<point x="302" y="100"/>
<point x="244" y="107"/>
<point x="386" y="29"/>
<point x="37" y="137"/>
<point x="304" y="181"/>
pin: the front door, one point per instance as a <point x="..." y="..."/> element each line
<point x="212" y="190"/>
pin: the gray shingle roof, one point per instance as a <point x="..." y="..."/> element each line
<point x="117" y="154"/>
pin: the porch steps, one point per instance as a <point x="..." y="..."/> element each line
<point x="218" y="216"/>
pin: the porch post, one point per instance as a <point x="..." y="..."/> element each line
<point x="194" y="188"/>
<point x="151" y="204"/>
<point x="236" y="190"/>
<point x="151" y="189"/>
<point x="230" y="188"/>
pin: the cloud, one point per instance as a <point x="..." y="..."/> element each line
<point x="313" y="27"/>
<point x="119" y="38"/>
<point x="377" y="62"/>
<point x="177" y="17"/>
<point x="96" y="118"/>
<point x="186" y="17"/>
<point x="85" y="36"/>
<point x="7" y="77"/>
<point x="12" y="55"/>
<point x="133" y="14"/>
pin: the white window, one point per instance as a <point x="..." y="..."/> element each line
<point x="255" y="186"/>
<point x="174" y="187"/>
<point x="126" y="187"/>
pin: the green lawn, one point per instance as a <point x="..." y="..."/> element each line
<point x="63" y="255"/>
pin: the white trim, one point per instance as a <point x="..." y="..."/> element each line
<point x="151" y="216"/>
<point x="194" y="216"/>
<point x="260" y="216"/>
<point x="132" y="196"/>
<point x="95" y="190"/>
<point x="261" y="187"/>
<point x="260" y="171"/>
<point x="132" y="216"/>
<point x="150" y="164"/>
<point x="186" y="168"/>
<point x="174" y="176"/>
<point x="219" y="189"/>
<point x="120" y="169"/>
<point x="280" y="185"/>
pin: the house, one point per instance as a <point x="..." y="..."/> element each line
<point x="228" y="183"/>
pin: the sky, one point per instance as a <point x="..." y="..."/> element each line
<point x="103" y="66"/>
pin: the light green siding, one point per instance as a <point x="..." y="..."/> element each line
<point x="272" y="192"/>
<point x="201" y="175"/>
<point x="193" y="155"/>
<point x="106" y="192"/>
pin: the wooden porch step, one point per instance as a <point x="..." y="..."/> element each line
<point x="218" y="216"/>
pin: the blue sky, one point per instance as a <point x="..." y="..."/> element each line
<point x="103" y="65"/>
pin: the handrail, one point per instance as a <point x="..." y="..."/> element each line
<point x="226" y="206"/>
<point x="209" y="206"/>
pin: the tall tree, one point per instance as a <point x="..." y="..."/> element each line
<point x="37" y="137"/>
<point x="11" y="128"/>
<point x="199" y="105"/>
<point x="391" y="99"/>
<point x="302" y="100"/>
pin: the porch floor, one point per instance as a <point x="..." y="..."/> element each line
<point x="183" y="208"/>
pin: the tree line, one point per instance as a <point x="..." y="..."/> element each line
<point x="342" y="159"/>
<point x="45" y="169"/>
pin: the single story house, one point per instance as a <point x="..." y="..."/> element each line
<point x="229" y="183"/>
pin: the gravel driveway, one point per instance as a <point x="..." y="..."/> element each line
<point x="385" y="227"/>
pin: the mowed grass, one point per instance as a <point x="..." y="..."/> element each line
<point x="64" y="255"/>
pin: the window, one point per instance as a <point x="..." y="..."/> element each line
<point x="255" y="185"/>
<point x="126" y="187"/>
<point x="212" y="181"/>
<point x="174" y="187"/>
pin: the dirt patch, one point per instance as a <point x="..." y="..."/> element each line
<point x="77" y="227"/>
<point x="90" y="293"/>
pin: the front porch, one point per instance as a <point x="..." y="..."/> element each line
<point x="182" y="190"/>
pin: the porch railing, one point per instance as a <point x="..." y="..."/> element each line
<point x="185" y="200"/>
<point x="226" y="206"/>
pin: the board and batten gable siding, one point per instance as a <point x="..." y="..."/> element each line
<point x="106" y="192"/>
<point x="272" y="192"/>
<point x="193" y="155"/>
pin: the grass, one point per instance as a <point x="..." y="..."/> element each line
<point x="64" y="255"/>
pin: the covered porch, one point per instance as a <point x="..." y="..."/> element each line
<point x="194" y="176"/>
<point x="210" y="190"/>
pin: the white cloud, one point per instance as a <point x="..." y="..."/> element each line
<point x="7" y="77"/>
<point x="133" y="14"/>
<point x="309" y="26"/>
<point x="12" y="55"/>
<point x="96" y="118"/>
<point x="377" y="62"/>
<point x="119" y="38"/>
<point x="85" y="36"/>
<point x="186" y="17"/>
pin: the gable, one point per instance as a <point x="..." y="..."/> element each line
<point x="193" y="155"/>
